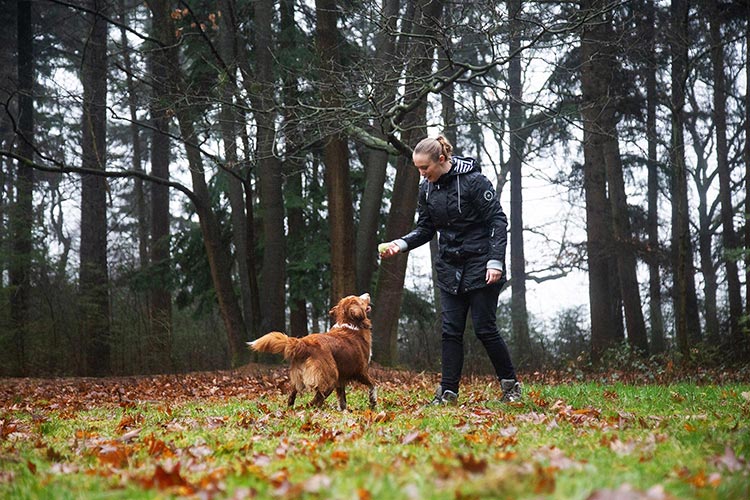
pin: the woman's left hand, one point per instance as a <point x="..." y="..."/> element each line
<point x="493" y="276"/>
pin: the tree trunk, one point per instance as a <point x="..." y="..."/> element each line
<point x="336" y="159"/>
<point x="218" y="255"/>
<point x="298" y="233"/>
<point x="519" y="313"/>
<point x="158" y="349"/>
<point x="729" y="236"/>
<point x="687" y="326"/>
<point x="706" y="227"/>
<point x="273" y="275"/>
<point x="658" y="342"/>
<point x="21" y="212"/>
<point x="375" y="169"/>
<point x="599" y="238"/>
<point x="389" y="290"/>
<point x="229" y="132"/>
<point x="139" y="192"/>
<point x="94" y="278"/>
<point x="219" y="258"/>
<point x="625" y="248"/>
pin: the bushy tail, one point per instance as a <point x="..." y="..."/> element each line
<point x="274" y="342"/>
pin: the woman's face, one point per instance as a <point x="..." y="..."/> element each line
<point x="429" y="168"/>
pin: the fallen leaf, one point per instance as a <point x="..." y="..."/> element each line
<point x="316" y="483"/>
<point x="412" y="437"/>
<point x="729" y="461"/>
<point x="472" y="464"/>
<point x="626" y="492"/>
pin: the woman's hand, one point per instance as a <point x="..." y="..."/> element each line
<point x="387" y="250"/>
<point x="493" y="276"/>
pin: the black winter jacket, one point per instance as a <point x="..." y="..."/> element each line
<point x="463" y="208"/>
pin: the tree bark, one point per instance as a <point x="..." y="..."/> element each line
<point x="273" y="276"/>
<point x="658" y="342"/>
<point x="158" y="350"/>
<point x="219" y="258"/>
<point x="729" y="235"/>
<point x="519" y="312"/>
<point x="598" y="235"/>
<point x="21" y="212"/>
<point x="229" y="125"/>
<point x="139" y="193"/>
<point x="336" y="159"/>
<point x="389" y="290"/>
<point x="375" y="169"/>
<point x="94" y="277"/>
<point x="687" y="325"/>
<point x="293" y="166"/>
<point x="706" y="226"/>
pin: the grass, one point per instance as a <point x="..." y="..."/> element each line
<point x="567" y="441"/>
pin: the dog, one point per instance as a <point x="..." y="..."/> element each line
<point x="322" y="362"/>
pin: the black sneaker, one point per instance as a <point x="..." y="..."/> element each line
<point x="511" y="390"/>
<point x="443" y="397"/>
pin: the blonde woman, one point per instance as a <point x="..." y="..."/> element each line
<point x="457" y="201"/>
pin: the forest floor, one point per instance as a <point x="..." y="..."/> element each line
<point x="228" y="434"/>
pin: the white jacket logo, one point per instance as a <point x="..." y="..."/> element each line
<point x="488" y="195"/>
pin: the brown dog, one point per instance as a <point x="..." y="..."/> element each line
<point x="322" y="362"/>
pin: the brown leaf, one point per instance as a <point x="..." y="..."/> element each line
<point x="157" y="448"/>
<point x="472" y="464"/>
<point x="164" y="479"/>
<point x="341" y="457"/>
<point x="414" y="437"/>
<point x="114" y="454"/>
<point x="363" y="494"/>
<point x="729" y="461"/>
<point x="545" y="479"/>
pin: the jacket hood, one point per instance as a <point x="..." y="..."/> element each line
<point x="461" y="165"/>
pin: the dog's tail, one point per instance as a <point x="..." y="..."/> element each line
<point x="274" y="342"/>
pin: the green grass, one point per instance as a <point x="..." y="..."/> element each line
<point x="563" y="441"/>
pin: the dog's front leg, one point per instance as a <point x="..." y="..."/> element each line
<point x="318" y="399"/>
<point x="341" y="393"/>
<point x="365" y="379"/>
<point x="292" y="398"/>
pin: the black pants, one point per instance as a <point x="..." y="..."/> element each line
<point x="483" y="305"/>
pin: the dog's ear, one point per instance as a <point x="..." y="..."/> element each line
<point x="357" y="314"/>
<point x="334" y="313"/>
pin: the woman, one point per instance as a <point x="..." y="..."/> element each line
<point x="459" y="203"/>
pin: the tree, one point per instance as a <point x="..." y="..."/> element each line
<point x="21" y="213"/>
<point x="273" y="274"/>
<point x="598" y="235"/>
<point x="729" y="236"/>
<point x="336" y="158"/>
<point x="236" y="172"/>
<point x="427" y="15"/>
<point x="160" y="297"/>
<point x="687" y="325"/>
<point x="658" y="343"/>
<point x="94" y="278"/>
<point x="377" y="159"/>
<point x="519" y="313"/>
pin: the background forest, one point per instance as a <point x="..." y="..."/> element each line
<point x="179" y="177"/>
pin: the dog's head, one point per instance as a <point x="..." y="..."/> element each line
<point x="353" y="309"/>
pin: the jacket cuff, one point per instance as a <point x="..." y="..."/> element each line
<point x="402" y="245"/>
<point x="495" y="264"/>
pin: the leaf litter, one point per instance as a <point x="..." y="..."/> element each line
<point x="151" y="441"/>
